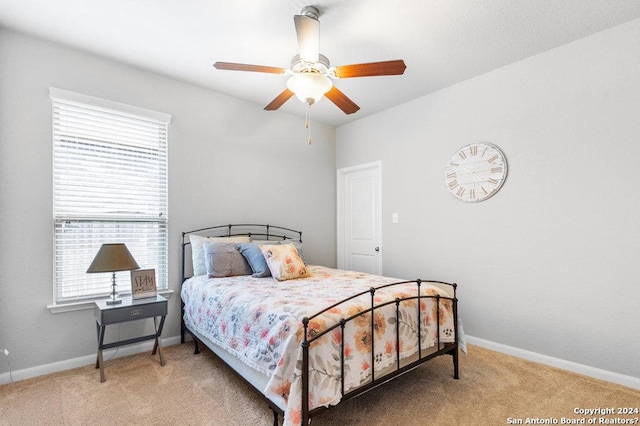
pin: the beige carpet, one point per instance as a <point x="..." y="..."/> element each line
<point x="200" y="390"/>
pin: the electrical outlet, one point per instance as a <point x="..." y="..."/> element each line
<point x="6" y="352"/>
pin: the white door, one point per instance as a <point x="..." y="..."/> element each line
<point x="359" y="224"/>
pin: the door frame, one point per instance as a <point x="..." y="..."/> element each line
<point x="341" y="174"/>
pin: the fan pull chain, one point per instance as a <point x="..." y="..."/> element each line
<point x="307" y="123"/>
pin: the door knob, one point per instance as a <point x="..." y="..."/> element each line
<point x="377" y="249"/>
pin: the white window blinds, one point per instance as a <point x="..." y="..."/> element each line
<point x="110" y="185"/>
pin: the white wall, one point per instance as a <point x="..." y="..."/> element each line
<point x="551" y="264"/>
<point x="229" y="161"/>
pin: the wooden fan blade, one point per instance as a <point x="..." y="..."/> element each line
<point x="371" y="69"/>
<point x="341" y="100"/>
<point x="279" y="100"/>
<point x="246" y="67"/>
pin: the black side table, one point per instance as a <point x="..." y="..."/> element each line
<point x="129" y="310"/>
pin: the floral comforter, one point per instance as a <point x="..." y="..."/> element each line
<point x="259" y="321"/>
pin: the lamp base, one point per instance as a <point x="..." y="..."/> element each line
<point x="115" y="300"/>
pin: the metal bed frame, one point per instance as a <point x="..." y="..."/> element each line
<point x="269" y="232"/>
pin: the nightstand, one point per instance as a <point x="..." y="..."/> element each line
<point x="129" y="310"/>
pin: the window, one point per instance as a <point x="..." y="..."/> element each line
<point x="109" y="185"/>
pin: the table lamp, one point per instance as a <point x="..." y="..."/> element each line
<point x="113" y="258"/>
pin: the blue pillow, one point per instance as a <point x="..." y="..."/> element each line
<point x="255" y="258"/>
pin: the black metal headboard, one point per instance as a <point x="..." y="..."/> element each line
<point x="261" y="232"/>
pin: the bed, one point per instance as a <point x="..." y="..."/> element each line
<point x="306" y="336"/>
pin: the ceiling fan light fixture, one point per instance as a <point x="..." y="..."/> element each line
<point x="310" y="74"/>
<point x="309" y="87"/>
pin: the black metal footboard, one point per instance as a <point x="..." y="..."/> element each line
<point x="441" y="349"/>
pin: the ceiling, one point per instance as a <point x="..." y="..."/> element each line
<point x="442" y="42"/>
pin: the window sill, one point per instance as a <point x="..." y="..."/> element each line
<point x="89" y="304"/>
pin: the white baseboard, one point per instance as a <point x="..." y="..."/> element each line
<point x="54" y="367"/>
<point x="609" y="376"/>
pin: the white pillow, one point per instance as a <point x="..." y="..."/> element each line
<point x="197" y="249"/>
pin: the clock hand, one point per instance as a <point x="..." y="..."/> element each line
<point x="474" y="173"/>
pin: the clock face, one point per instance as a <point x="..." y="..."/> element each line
<point x="475" y="172"/>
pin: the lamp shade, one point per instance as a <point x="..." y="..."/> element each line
<point x="309" y="87"/>
<point x="113" y="258"/>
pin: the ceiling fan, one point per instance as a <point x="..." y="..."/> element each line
<point x="310" y="73"/>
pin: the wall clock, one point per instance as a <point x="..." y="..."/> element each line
<point x="475" y="172"/>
